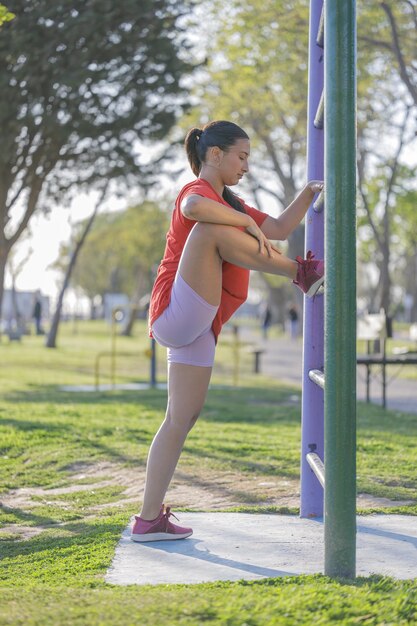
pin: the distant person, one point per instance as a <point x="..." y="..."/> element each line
<point x="293" y="320"/>
<point x="266" y="320"/>
<point x="213" y="241"/>
<point x="37" y="315"/>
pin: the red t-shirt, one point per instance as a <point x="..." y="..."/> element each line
<point x="235" y="280"/>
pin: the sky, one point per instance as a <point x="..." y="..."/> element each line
<point x="46" y="233"/>
<point x="40" y="247"/>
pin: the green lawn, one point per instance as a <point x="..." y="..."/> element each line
<point x="60" y="521"/>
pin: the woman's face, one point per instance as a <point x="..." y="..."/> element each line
<point x="233" y="163"/>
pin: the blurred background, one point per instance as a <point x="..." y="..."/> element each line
<point x="96" y="98"/>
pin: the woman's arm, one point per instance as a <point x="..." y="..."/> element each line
<point x="203" y="209"/>
<point x="282" y="226"/>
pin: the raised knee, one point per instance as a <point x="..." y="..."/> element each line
<point x="205" y="229"/>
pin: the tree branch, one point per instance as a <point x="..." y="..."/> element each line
<point x="51" y="339"/>
<point x="376" y="42"/>
<point x="397" y="51"/>
<point x="361" y="170"/>
<point x="395" y="160"/>
<point x="287" y="183"/>
<point x="412" y="6"/>
<point x="255" y="187"/>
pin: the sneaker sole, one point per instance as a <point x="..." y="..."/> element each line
<point x="159" y="537"/>
<point x="315" y="287"/>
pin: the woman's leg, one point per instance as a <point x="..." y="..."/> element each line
<point x="187" y="390"/>
<point x="208" y="245"/>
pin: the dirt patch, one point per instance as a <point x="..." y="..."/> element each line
<point x="194" y="489"/>
<point x="366" y="501"/>
<point x="19" y="533"/>
<point x="209" y="490"/>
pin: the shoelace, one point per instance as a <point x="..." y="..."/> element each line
<point x="305" y="263"/>
<point x="167" y="515"/>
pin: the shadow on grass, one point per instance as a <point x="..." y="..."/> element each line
<point x="40" y="394"/>
<point x="245" y="405"/>
<point x="244" y="466"/>
<point x="28" y="517"/>
<point x="68" y="433"/>
<point x="81" y="534"/>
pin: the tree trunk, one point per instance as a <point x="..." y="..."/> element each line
<point x="134" y="305"/>
<point x="93" y="309"/>
<point x="385" y="300"/>
<point x="15" y="305"/>
<point x="385" y="282"/>
<point x="133" y="311"/>
<point x="3" y="260"/>
<point x="53" y="331"/>
<point x="413" y="312"/>
<point x="410" y="286"/>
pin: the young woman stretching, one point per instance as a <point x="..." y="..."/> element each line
<point x="213" y="241"/>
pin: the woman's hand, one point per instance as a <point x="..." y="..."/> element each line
<point x="315" y="185"/>
<point x="264" y="243"/>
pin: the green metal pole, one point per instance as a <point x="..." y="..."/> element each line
<point x="340" y="298"/>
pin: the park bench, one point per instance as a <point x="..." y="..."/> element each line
<point x="373" y="329"/>
<point x="256" y="352"/>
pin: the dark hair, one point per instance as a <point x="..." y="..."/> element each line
<point x="221" y="134"/>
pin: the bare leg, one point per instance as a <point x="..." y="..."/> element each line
<point x="187" y="390"/>
<point x="210" y="244"/>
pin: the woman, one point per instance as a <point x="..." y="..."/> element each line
<point x="213" y="241"/>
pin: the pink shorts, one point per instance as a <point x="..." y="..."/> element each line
<point x="185" y="327"/>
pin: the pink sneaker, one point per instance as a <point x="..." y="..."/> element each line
<point x="310" y="274"/>
<point x="159" y="529"/>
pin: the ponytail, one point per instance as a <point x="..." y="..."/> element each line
<point x="191" y="148"/>
<point x="221" y="134"/>
<point x="233" y="200"/>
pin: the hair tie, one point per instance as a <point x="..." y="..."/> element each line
<point x="198" y="134"/>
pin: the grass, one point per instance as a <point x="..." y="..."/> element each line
<point x="57" y="544"/>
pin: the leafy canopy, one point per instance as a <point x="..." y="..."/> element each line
<point x="5" y="15"/>
<point x="84" y="84"/>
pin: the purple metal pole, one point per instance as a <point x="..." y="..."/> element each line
<point x="312" y="422"/>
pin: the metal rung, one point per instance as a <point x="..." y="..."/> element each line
<point x="317" y="466"/>
<point x="318" y="205"/>
<point x="317" y="376"/>
<point x="320" y="32"/>
<point x="319" y="119"/>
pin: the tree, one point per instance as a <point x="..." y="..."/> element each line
<point x="85" y="86"/>
<point x="93" y="272"/>
<point x="257" y="76"/>
<point x="386" y="132"/>
<point x="120" y="254"/>
<point x="53" y="331"/>
<point x="380" y="216"/>
<point x="390" y="30"/>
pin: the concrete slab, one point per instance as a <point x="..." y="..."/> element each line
<point x="235" y="546"/>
